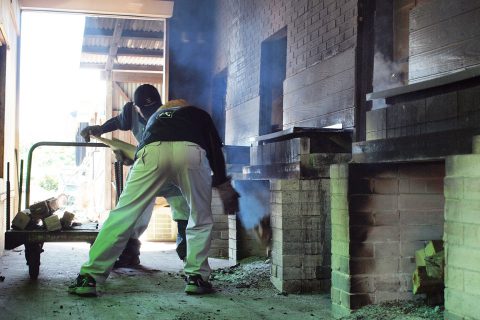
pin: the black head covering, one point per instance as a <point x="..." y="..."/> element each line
<point x="147" y="95"/>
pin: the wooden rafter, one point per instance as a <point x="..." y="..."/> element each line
<point x="135" y="77"/>
<point x="130" y="34"/>
<point x="124" y="67"/>
<point x="148" y="53"/>
<point x="121" y="91"/>
<point x="117" y="34"/>
<point x="148" y="8"/>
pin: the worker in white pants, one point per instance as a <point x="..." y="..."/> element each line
<point x="183" y="164"/>
<point x="167" y="157"/>
<point x="134" y="117"/>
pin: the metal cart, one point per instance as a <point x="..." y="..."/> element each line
<point x="33" y="240"/>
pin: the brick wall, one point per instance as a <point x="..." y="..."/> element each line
<point x="301" y="235"/>
<point x="462" y="236"/>
<point x="220" y="233"/>
<point x="441" y="29"/>
<point x="456" y="109"/>
<point x="389" y="212"/>
<point x="317" y="31"/>
<point x="340" y="290"/>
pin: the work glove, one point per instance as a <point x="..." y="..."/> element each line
<point x="229" y="197"/>
<point x="90" y="131"/>
<point x="120" y="156"/>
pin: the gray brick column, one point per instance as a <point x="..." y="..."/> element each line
<point x="462" y="236"/>
<point x="340" y="290"/>
<point x="301" y="235"/>
<point x="220" y="233"/>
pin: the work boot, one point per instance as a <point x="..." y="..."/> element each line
<point x="84" y="286"/>
<point x="196" y="285"/>
<point x="130" y="256"/>
<point x="181" y="239"/>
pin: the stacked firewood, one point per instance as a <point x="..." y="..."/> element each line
<point x="43" y="215"/>
<point x="429" y="274"/>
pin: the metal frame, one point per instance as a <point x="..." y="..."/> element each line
<point x="54" y="144"/>
<point x="33" y="239"/>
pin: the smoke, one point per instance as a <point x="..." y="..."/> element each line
<point x="191" y="51"/>
<point x="386" y="75"/>
<point x="254" y="201"/>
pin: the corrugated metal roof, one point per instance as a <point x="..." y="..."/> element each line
<point x="134" y="42"/>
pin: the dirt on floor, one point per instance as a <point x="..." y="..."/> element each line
<point x="155" y="291"/>
<point x="398" y="310"/>
<point x="152" y="291"/>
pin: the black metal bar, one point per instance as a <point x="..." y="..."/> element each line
<point x="54" y="144"/>
<point x="121" y="176"/>
<point x="20" y="186"/>
<point x="7" y="205"/>
<point x="117" y="180"/>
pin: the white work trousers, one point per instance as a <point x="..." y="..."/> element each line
<point x="159" y="164"/>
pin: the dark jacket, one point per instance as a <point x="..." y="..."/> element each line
<point x="188" y="124"/>
<point x="128" y="119"/>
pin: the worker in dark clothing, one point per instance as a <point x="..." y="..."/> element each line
<point x="181" y="148"/>
<point x="134" y="118"/>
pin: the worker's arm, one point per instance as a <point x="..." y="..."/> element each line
<point x="216" y="158"/>
<point x="220" y="180"/>
<point x="121" y="122"/>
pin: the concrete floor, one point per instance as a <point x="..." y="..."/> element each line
<point x="154" y="291"/>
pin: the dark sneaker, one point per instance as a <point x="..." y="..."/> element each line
<point x="84" y="286"/>
<point x="123" y="262"/>
<point x="196" y="285"/>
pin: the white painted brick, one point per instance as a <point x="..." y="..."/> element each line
<point x="463" y="165"/>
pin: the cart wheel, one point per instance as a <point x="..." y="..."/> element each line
<point x="32" y="255"/>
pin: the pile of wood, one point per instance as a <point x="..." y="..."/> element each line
<point x="429" y="274"/>
<point x="43" y="215"/>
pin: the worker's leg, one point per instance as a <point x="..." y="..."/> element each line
<point x="180" y="212"/>
<point x="130" y="256"/>
<point x="148" y="174"/>
<point x="142" y="222"/>
<point x="195" y="181"/>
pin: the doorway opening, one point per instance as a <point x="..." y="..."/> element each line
<point x="273" y="66"/>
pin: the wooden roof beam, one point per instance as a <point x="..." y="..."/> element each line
<point x="124" y="67"/>
<point x="117" y="34"/>
<point x="135" y="77"/>
<point x="121" y="91"/>
<point x="138" y="8"/>
<point x="124" y="51"/>
<point x="130" y="34"/>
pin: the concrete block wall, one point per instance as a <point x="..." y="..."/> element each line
<point x="220" y="234"/>
<point x="233" y="252"/>
<point x="317" y="31"/>
<point x="457" y="109"/>
<point x="381" y="214"/>
<point x="462" y="236"/>
<point x="301" y="228"/>
<point x="340" y="291"/>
